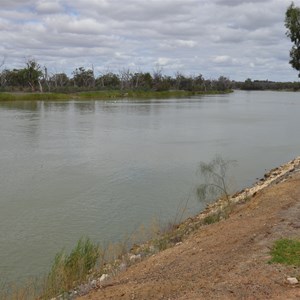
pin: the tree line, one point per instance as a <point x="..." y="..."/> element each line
<point x="262" y="85"/>
<point x="33" y="77"/>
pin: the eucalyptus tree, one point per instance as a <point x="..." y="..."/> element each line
<point x="146" y="81"/>
<point x="199" y="83"/>
<point x="292" y="23"/>
<point x="125" y="76"/>
<point x="83" y="77"/>
<point x="59" y="80"/>
<point x="222" y="84"/>
<point x="3" y="79"/>
<point x="32" y="74"/>
<point x="142" y="80"/>
<point x="2" y="74"/>
<point x="108" y="80"/>
<point x="12" y="78"/>
<point x="28" y="76"/>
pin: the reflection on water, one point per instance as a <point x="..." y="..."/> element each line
<point x="101" y="168"/>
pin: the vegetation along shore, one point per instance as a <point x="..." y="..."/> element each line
<point x="249" y="251"/>
<point x="35" y="82"/>
<point x="104" y="95"/>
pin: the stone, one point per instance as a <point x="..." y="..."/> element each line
<point x="83" y="289"/>
<point x="134" y="258"/>
<point x="73" y="294"/>
<point x="94" y="284"/>
<point x="122" y="266"/>
<point x="104" y="277"/>
<point x="292" y="280"/>
<point x="152" y="249"/>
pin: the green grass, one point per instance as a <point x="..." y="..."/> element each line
<point x="286" y="251"/>
<point x="102" y="95"/>
<point x="7" y="97"/>
<point x="117" y="94"/>
<point x="211" y="219"/>
<point x="168" y="94"/>
<point x="32" y="96"/>
<point x="69" y="270"/>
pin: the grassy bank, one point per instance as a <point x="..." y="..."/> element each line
<point x="32" y="96"/>
<point x="104" y="95"/>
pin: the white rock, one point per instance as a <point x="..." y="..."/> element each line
<point x="152" y="249"/>
<point x="122" y="266"/>
<point x="94" y="283"/>
<point x="134" y="258"/>
<point x="292" y="280"/>
<point x="103" y="277"/>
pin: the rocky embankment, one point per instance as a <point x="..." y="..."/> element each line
<point x="272" y="177"/>
<point x="224" y="260"/>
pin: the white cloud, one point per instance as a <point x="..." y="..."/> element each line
<point x="240" y="2"/>
<point x="221" y="59"/>
<point x="163" y="61"/>
<point x="48" y="7"/>
<point x="16" y="4"/>
<point x="74" y="25"/>
<point x="236" y="38"/>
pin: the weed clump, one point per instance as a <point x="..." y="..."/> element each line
<point x="286" y="251"/>
<point x="71" y="269"/>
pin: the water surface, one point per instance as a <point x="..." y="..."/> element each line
<point x="102" y="168"/>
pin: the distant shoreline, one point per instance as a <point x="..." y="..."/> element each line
<point x="104" y="95"/>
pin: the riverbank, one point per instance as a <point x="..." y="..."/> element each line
<point x="224" y="260"/>
<point x="105" y="95"/>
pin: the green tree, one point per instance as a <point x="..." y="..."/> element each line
<point x="32" y="74"/>
<point x="199" y="83"/>
<point x="83" y="77"/>
<point x="292" y="23"/>
<point x="59" y="80"/>
<point x="18" y="78"/>
<point x="108" y="80"/>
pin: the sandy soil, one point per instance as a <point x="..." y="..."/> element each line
<point x="225" y="260"/>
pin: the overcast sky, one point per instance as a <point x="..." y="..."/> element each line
<point x="239" y="39"/>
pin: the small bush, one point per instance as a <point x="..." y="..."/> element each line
<point x="211" y="219"/>
<point x="215" y="175"/>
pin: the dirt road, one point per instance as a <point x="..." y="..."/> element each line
<point x="225" y="260"/>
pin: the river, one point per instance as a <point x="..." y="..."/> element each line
<point x="103" y="168"/>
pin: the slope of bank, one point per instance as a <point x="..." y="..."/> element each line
<point x="227" y="259"/>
